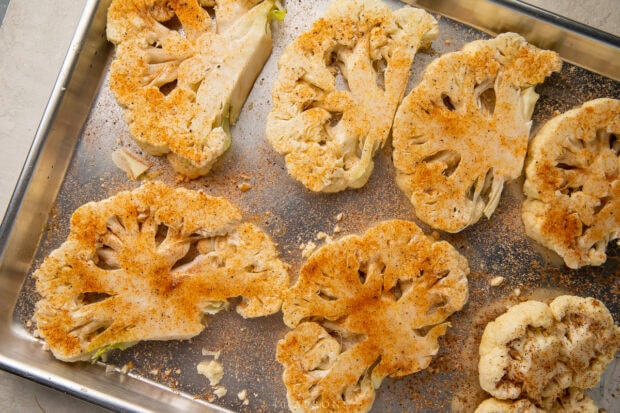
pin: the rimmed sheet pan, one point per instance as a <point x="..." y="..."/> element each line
<point x="70" y="164"/>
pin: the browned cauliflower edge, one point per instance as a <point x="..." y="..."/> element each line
<point x="338" y="87"/>
<point x="182" y="77"/>
<point x="572" y="183"/>
<point x="463" y="130"/>
<point x="149" y="264"/>
<point x="366" y="307"/>
<point x="548" y="353"/>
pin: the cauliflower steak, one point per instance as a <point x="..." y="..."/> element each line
<point x="572" y="183"/>
<point x="338" y="87"/>
<point x="183" y="78"/>
<point x="367" y="307"/>
<point x="548" y="354"/>
<point x="149" y="264"/>
<point x="463" y="131"/>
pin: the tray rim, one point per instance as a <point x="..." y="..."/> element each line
<point x="12" y="274"/>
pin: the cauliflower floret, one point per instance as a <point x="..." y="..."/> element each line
<point x="367" y="307"/>
<point x="148" y="265"/>
<point x="539" y="351"/>
<point x="338" y="87"/>
<point x="183" y="78"/>
<point x="572" y="183"/>
<point x="463" y="131"/>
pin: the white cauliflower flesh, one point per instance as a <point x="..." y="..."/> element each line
<point x="540" y="352"/>
<point x="572" y="183"/>
<point x="493" y="405"/>
<point x="573" y="400"/>
<point x="183" y="77"/>
<point x="149" y="264"/>
<point x="338" y="87"/>
<point x="366" y="307"/>
<point x="463" y="131"/>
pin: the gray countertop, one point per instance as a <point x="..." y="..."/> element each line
<point x="34" y="36"/>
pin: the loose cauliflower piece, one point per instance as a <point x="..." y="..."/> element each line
<point x="338" y="87"/>
<point x="148" y="265"/>
<point x="572" y="183"/>
<point x="539" y="352"/>
<point x="367" y="307"/>
<point x="463" y="131"/>
<point x="183" y="78"/>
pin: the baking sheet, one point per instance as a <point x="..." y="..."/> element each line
<point x="74" y="157"/>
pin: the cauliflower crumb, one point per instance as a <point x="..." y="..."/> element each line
<point x="212" y="353"/>
<point x="212" y="370"/>
<point x="337" y="229"/>
<point x="243" y="396"/>
<point x="516" y="292"/>
<point x="244" y="186"/>
<point x="496" y="281"/>
<point x="339" y="216"/>
<point x="321" y="235"/>
<point x="130" y="163"/>
<point x="220" y="391"/>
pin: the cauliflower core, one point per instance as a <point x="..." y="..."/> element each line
<point x="148" y="265"/>
<point x="338" y="87"/>
<point x="548" y="353"/>
<point x="367" y="307"/>
<point x="463" y="131"/>
<point x="182" y="77"/>
<point x="572" y="183"/>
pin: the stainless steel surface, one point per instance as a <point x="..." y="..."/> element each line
<point x="577" y="43"/>
<point x="4" y="4"/>
<point x="69" y="164"/>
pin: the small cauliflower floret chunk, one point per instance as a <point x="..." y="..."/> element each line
<point x="149" y="264"/>
<point x="572" y="183"/>
<point x="366" y="307"/>
<point x="183" y="78"/>
<point x="463" y="131"/>
<point x="338" y="87"/>
<point x="548" y="353"/>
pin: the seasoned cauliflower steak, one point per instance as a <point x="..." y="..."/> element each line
<point x="572" y="183"/>
<point x="183" y="78"/>
<point x="338" y="87"/>
<point x="548" y="353"/>
<point x="366" y="307"/>
<point x="463" y="130"/>
<point x="149" y="264"/>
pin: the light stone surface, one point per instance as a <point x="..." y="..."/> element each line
<point x="34" y="38"/>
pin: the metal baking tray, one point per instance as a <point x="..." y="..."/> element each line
<point x="70" y="164"/>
